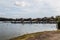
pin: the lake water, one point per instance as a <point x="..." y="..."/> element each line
<point x="8" y="30"/>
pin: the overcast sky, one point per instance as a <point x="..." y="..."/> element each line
<point x="29" y="8"/>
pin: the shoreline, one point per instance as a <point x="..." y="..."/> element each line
<point x="40" y="35"/>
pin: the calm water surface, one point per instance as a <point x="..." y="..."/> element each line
<point x="8" y="30"/>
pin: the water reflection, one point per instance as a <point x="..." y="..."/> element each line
<point x="8" y="30"/>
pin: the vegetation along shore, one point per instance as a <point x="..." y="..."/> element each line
<point x="31" y="20"/>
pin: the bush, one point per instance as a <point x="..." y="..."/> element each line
<point x="58" y="24"/>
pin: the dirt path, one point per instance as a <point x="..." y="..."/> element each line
<point x="53" y="35"/>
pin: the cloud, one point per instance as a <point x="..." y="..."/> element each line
<point x="55" y="5"/>
<point x="26" y="8"/>
<point x="2" y="14"/>
<point x="22" y="4"/>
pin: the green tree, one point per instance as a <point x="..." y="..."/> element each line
<point x="58" y="23"/>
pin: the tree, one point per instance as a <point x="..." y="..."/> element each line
<point x="58" y="23"/>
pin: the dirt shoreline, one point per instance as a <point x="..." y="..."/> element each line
<point x="47" y="35"/>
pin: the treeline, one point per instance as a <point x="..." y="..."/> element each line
<point x="6" y="19"/>
<point x="30" y="19"/>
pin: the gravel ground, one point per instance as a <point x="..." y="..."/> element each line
<point x="51" y="35"/>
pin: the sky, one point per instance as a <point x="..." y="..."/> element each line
<point x="29" y="8"/>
